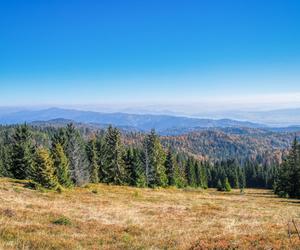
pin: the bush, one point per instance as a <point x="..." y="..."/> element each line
<point x="62" y="221"/>
<point x="283" y="194"/>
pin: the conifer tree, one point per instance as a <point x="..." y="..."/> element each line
<point x="61" y="165"/>
<point x="219" y="185"/>
<point x="288" y="178"/>
<point x="45" y="169"/>
<point x="100" y="152"/>
<point x="139" y="173"/>
<point x="204" y="181"/>
<point x="130" y="174"/>
<point x="226" y="185"/>
<point x="60" y="137"/>
<point x="93" y="161"/>
<point x="22" y="153"/>
<point x="171" y="169"/>
<point x="114" y="165"/>
<point x="76" y="154"/>
<point x="154" y="159"/>
<point x="190" y="173"/>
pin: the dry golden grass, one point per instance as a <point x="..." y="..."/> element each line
<point x="111" y="217"/>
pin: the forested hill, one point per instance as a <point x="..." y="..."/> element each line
<point x="211" y="144"/>
<point x="234" y="143"/>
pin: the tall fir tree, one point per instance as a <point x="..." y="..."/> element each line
<point x="154" y="158"/>
<point x="75" y="151"/>
<point x="93" y="161"/>
<point x="171" y="169"/>
<point x="61" y="165"/>
<point x="45" y="171"/>
<point x="190" y="172"/>
<point x="114" y="165"/>
<point x="22" y="153"/>
<point x="288" y="178"/>
<point x="226" y="185"/>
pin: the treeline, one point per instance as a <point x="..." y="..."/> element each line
<point x="287" y="181"/>
<point x="64" y="157"/>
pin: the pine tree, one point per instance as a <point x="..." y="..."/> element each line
<point x="190" y="173"/>
<point x="203" y="176"/>
<point x="45" y="169"/>
<point x="100" y="152"/>
<point x="114" y="165"/>
<point x="22" y="154"/>
<point x="171" y="169"/>
<point x="154" y="159"/>
<point x="61" y="165"/>
<point x="197" y="174"/>
<point x="219" y="185"/>
<point x="226" y="185"/>
<point x="60" y="137"/>
<point x="242" y="178"/>
<point x="93" y="161"/>
<point x="288" y="178"/>
<point x="76" y="154"/>
<point x="130" y="172"/>
<point x="139" y="173"/>
<point x="5" y="155"/>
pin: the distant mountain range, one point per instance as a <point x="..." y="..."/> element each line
<point x="139" y="122"/>
<point x="163" y="124"/>
<point x="280" y="117"/>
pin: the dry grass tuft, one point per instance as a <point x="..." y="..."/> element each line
<point x="111" y="217"/>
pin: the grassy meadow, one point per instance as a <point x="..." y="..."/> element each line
<point x="111" y="217"/>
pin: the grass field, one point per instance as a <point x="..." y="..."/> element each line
<point x="111" y="217"/>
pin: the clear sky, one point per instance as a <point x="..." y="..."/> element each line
<point x="63" y="52"/>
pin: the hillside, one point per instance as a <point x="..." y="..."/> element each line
<point x="266" y="145"/>
<point x="111" y="217"/>
<point x="238" y="143"/>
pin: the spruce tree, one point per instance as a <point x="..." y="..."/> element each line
<point x="171" y="169"/>
<point x="139" y="173"/>
<point x="45" y="171"/>
<point x="288" y="178"/>
<point x="61" y="165"/>
<point x="154" y="159"/>
<point x="100" y="152"/>
<point x="93" y="161"/>
<point x="75" y="151"/>
<point x="114" y="165"/>
<point x="129" y="167"/>
<point x="219" y="185"/>
<point x="22" y="153"/>
<point x="226" y="185"/>
<point x="203" y="176"/>
<point x="190" y="172"/>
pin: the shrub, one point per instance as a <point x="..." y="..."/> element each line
<point x="62" y="221"/>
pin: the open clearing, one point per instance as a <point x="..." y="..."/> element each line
<point x="112" y="217"/>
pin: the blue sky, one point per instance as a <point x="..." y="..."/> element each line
<point x="56" y="52"/>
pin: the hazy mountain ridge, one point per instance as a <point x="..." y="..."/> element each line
<point x="141" y="122"/>
<point x="277" y="117"/>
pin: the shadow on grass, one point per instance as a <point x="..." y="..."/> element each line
<point x="291" y="201"/>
